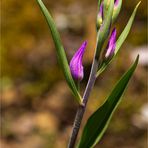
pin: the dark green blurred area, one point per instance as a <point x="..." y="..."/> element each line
<point x="37" y="107"/>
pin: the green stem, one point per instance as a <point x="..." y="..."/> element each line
<point x="101" y="37"/>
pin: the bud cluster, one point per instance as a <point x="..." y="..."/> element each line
<point x="117" y="7"/>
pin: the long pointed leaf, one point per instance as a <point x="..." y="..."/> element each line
<point x="98" y="122"/>
<point x="62" y="59"/>
<point x="126" y="30"/>
<point x="121" y="39"/>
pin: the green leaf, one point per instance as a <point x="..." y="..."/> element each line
<point x="62" y="59"/>
<point x="98" y="122"/>
<point x="120" y="40"/>
<point x="126" y="30"/>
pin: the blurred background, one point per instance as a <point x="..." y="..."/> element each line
<point x="37" y="106"/>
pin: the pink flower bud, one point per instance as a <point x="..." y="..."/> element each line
<point x="76" y="66"/>
<point x="111" y="45"/>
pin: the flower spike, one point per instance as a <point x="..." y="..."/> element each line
<point x="76" y="66"/>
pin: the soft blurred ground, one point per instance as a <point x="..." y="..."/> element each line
<point x="37" y="107"/>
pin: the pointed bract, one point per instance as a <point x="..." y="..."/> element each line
<point x="76" y="66"/>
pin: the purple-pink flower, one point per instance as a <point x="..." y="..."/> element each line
<point x="76" y="66"/>
<point x="111" y="45"/>
<point x="116" y="2"/>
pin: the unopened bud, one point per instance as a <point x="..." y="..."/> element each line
<point x="100" y="16"/>
<point x="117" y="8"/>
<point x="109" y="52"/>
<point x="76" y="66"/>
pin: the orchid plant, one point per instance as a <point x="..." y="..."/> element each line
<point x="108" y="11"/>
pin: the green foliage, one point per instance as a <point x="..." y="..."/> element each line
<point x="126" y="30"/>
<point x="60" y="51"/>
<point x="98" y="122"/>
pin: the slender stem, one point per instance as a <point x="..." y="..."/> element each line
<point x="82" y="108"/>
<point x="101" y="37"/>
<point x="92" y="78"/>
